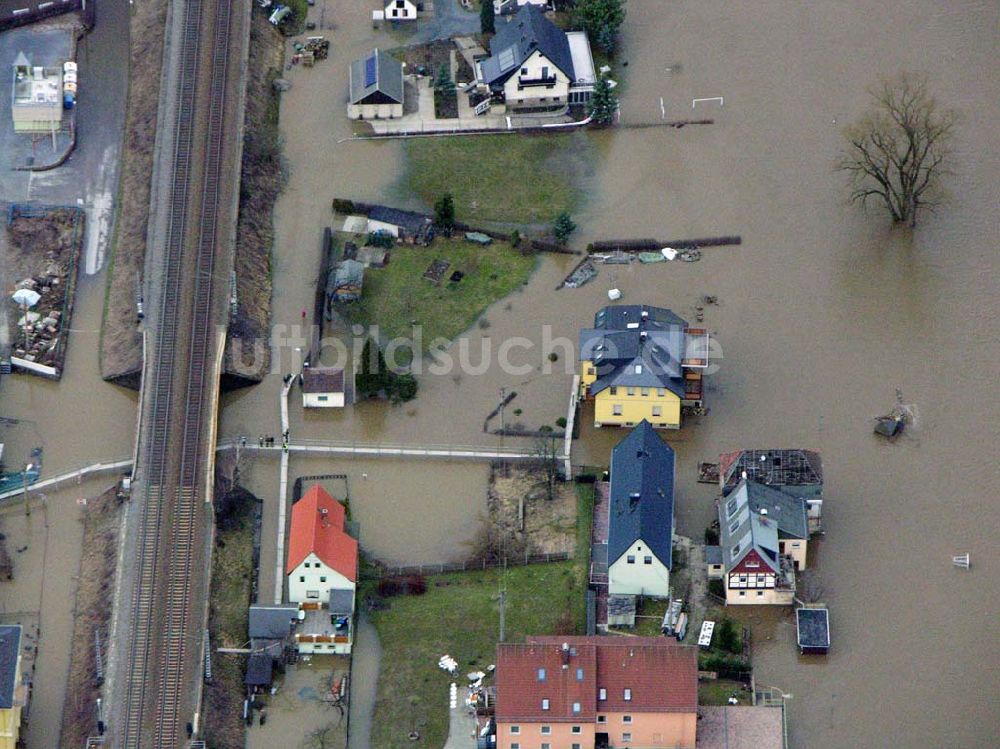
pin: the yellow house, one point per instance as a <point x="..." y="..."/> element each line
<point x="12" y="691"/>
<point x="641" y="362"/>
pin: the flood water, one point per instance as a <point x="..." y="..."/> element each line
<point x="823" y="313"/>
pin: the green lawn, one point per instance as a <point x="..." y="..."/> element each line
<point x="458" y="615"/>
<point x="718" y="692"/>
<point x="397" y="297"/>
<point x="513" y="178"/>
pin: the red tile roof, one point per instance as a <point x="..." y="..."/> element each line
<point x="520" y="691"/>
<point x="662" y="677"/>
<point x="314" y="531"/>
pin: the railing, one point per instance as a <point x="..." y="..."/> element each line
<point x="78" y="475"/>
<point x="483" y="564"/>
<point x="387" y="449"/>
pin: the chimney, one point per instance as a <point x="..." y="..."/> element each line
<point x="763" y="512"/>
<point x="565" y="655"/>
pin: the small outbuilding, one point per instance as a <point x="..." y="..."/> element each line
<point x="813" y="625"/>
<point x="407" y="226"/>
<point x="347" y="282"/>
<point x="376" y="88"/>
<point x="400" y="10"/>
<point x="323" y="387"/>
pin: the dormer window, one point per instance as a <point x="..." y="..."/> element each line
<point x="545" y="704"/>
<point x="627" y="694"/>
<point x="541" y="674"/>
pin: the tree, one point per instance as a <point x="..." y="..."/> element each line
<point x="372" y="378"/>
<point x="487" y="18"/>
<point x="563" y="227"/>
<point x="601" y="19"/>
<point x="548" y="462"/>
<point x="898" y="151"/>
<point x="444" y="213"/>
<point x="603" y="102"/>
<point x="728" y="639"/>
<point x="443" y="83"/>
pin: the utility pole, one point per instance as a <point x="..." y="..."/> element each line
<point x="503" y="605"/>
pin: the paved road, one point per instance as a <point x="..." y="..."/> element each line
<point x="365" y="659"/>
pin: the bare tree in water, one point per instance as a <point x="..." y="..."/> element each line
<point x="899" y="150"/>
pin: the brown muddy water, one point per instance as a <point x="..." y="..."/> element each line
<point x="823" y="313"/>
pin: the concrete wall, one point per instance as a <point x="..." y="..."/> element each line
<point x="638" y="578"/>
<point x="323" y="400"/>
<point x="531" y="96"/>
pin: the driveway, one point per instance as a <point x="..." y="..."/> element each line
<point x="450" y="19"/>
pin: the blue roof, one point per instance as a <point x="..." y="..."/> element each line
<point x="10" y="648"/>
<point x="641" y="502"/>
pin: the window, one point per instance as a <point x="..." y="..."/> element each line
<point x="515" y="729"/>
<point x="753" y="563"/>
<point x="647" y="560"/>
<point x="616" y="409"/>
<point x="576" y="707"/>
<point x="742" y="593"/>
<point x="591" y="371"/>
<point x="306" y="565"/>
<point x="628" y="694"/>
<point x="602" y="694"/>
<point x="575" y="746"/>
<point x="579" y="674"/>
<point x="322" y="397"/>
<point x="545" y="704"/>
<point x="626" y="736"/>
<point x="630" y="391"/>
<point x="545" y="71"/>
<point x="541" y="674"/>
<point x="760" y="593"/>
<point x="602" y="718"/>
<point x="638" y="369"/>
<point x="546" y="730"/>
<point x="661" y="392"/>
<point x="736" y="550"/>
<point x="614" y="390"/>
<point x="302" y="578"/>
<point x="515" y="745"/>
<point x="577" y="729"/>
<point x="524" y="71"/>
<point x="735" y="524"/>
<point x="643" y="392"/>
<point x="657" y="410"/>
<point x="546" y="745"/>
<point x="312" y="594"/>
<point x="630" y="559"/>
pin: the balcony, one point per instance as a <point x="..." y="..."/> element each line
<point x="523" y="83"/>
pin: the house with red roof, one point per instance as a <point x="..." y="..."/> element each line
<point x="586" y="692"/>
<point x="322" y="570"/>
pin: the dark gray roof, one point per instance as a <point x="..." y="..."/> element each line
<point x="787" y="511"/>
<point x="258" y="670"/>
<point x="272" y="622"/>
<point x="377" y="79"/>
<point x="341" y="601"/>
<point x="741" y="530"/>
<point x="813" y="627"/>
<point x="528" y="30"/>
<point x="641" y="502"/>
<point x="713" y="555"/>
<point x="412" y="221"/>
<point x="636" y="346"/>
<point x="621" y="605"/>
<point x="10" y="649"/>
<point x="322" y="380"/>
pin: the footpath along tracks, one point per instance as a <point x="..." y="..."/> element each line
<point x="161" y="672"/>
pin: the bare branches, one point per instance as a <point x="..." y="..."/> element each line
<point x="898" y="151"/>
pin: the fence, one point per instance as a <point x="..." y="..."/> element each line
<point x="467" y="566"/>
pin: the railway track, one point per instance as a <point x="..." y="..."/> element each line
<point x="165" y="632"/>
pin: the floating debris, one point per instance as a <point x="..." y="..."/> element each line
<point x="583" y="273"/>
<point x="708" y="473"/>
<point x="892" y="424"/>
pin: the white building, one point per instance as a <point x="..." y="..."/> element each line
<point x="322" y="570"/>
<point x="400" y="10"/>
<point x="533" y="64"/>
<point x="641" y="515"/>
<point x="37" y="97"/>
<point x="322" y="387"/>
<point x="376" y="88"/>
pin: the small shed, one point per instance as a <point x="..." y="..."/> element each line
<point x="813" y="625"/>
<point x="376" y="87"/>
<point x="408" y="226"/>
<point x="621" y="611"/>
<point x="323" y="387"/>
<point x="258" y="676"/>
<point x="714" y="564"/>
<point x="347" y="282"/>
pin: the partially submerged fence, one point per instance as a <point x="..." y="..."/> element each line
<point x="482" y="564"/>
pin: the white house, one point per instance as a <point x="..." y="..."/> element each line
<point x="322" y="387"/>
<point x="322" y="570"/>
<point x="400" y="10"/>
<point x="641" y="515"/>
<point x="533" y="64"/>
<point x="756" y="534"/>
